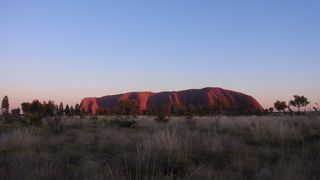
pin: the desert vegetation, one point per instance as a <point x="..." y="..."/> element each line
<point x="298" y="102"/>
<point x="57" y="142"/>
<point x="142" y="147"/>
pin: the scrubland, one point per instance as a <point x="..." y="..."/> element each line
<point x="105" y="147"/>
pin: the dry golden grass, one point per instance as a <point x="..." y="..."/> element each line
<point x="273" y="147"/>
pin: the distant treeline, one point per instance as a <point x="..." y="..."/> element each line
<point x="130" y="107"/>
<point x="298" y="102"/>
<point x="43" y="109"/>
<point x="49" y="108"/>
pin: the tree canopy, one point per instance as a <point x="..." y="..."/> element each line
<point x="280" y="106"/>
<point x="5" y="105"/>
<point x="299" y="101"/>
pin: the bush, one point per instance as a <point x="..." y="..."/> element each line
<point x="35" y="119"/>
<point x="55" y="124"/>
<point x="189" y="115"/>
<point x="123" y="123"/>
<point x="8" y="118"/>
<point x="23" y="121"/>
<point x="162" y="118"/>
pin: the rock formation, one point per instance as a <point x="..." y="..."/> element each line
<point x="215" y="99"/>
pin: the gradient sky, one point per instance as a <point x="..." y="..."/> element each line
<point x="69" y="49"/>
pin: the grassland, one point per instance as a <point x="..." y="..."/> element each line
<point x="269" y="147"/>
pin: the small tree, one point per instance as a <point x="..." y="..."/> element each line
<point x="5" y="105"/>
<point x="280" y="106"/>
<point x="61" y="110"/>
<point x="71" y="111"/>
<point x="15" y="112"/>
<point x="271" y="109"/>
<point x="26" y="107"/>
<point x="48" y="108"/>
<point x="34" y="112"/>
<point x="77" y="110"/>
<point x="299" y="101"/>
<point x="36" y="107"/>
<point x="67" y="110"/>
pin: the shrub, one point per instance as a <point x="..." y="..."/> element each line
<point x="55" y="124"/>
<point x="123" y="123"/>
<point x="8" y="118"/>
<point x="162" y="118"/>
<point x="189" y="115"/>
<point x="11" y="118"/>
<point x="35" y="119"/>
<point x="23" y="121"/>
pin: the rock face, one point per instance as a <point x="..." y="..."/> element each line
<point x="216" y="98"/>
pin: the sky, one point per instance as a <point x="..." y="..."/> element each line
<point x="65" y="50"/>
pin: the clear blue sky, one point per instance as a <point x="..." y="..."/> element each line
<point x="69" y="49"/>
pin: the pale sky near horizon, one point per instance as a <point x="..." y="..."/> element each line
<point x="65" y="50"/>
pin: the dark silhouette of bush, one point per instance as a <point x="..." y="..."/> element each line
<point x="77" y="109"/>
<point x="67" y="110"/>
<point x="35" y="119"/>
<point x="15" y="112"/>
<point x="123" y="123"/>
<point x="5" y="106"/>
<point x="61" y="109"/>
<point x="25" y="107"/>
<point x="271" y="109"/>
<point x="71" y="111"/>
<point x="162" y="118"/>
<point x="13" y="117"/>
<point x="49" y="108"/>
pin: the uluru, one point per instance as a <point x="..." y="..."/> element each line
<point x="206" y="100"/>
